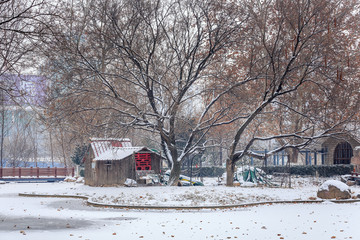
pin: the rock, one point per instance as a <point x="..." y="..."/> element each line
<point x="350" y="183"/>
<point x="70" y="179"/>
<point x="345" y="178"/>
<point x="334" y="189"/>
<point x="80" y="180"/>
<point x="236" y="184"/>
<point x="130" y="183"/>
<point x="2" y="182"/>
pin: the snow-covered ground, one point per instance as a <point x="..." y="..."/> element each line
<point x="58" y="218"/>
<point x="210" y="194"/>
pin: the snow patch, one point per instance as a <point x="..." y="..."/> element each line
<point x="340" y="185"/>
<point x="130" y="183"/>
<point x="80" y="180"/>
<point x="70" y="179"/>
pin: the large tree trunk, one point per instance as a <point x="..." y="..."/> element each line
<point x="230" y="170"/>
<point x="175" y="174"/>
<point x="293" y="155"/>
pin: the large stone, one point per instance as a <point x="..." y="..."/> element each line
<point x="333" y="189"/>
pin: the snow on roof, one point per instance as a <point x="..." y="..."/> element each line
<point x="110" y="139"/>
<point x="118" y="153"/>
<point x="114" y="148"/>
<point x="101" y="145"/>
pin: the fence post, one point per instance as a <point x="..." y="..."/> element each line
<point x="274" y="157"/>
<point x="19" y="172"/>
<point x="55" y="172"/>
<point x="265" y="159"/>
<point x="49" y="171"/>
<point x="38" y="172"/>
<point x="1" y="172"/>
<point x="73" y="172"/>
<point x="13" y="172"/>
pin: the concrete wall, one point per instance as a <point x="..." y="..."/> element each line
<point x="356" y="159"/>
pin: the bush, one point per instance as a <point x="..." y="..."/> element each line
<point x="82" y="173"/>
<point x="328" y="171"/>
<point x="203" y="172"/>
<point x="323" y="170"/>
<point x="79" y="154"/>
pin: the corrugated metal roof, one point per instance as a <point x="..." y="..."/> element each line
<point x="106" y="149"/>
<point x="118" y="153"/>
<point x="101" y="145"/>
<point x="127" y="140"/>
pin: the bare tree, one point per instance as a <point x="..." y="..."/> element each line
<point x="21" y="24"/>
<point x="157" y="65"/>
<point x="20" y="145"/>
<point x="141" y="64"/>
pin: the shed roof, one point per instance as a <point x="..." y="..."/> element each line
<point x="118" y="153"/>
<point x="110" y="139"/>
<point x="107" y="149"/>
<point x="101" y="145"/>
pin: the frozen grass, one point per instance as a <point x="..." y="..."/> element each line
<point x="210" y="194"/>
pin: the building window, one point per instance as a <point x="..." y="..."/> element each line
<point x="343" y="153"/>
<point x="108" y="165"/>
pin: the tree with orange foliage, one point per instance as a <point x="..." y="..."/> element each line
<point x="300" y="56"/>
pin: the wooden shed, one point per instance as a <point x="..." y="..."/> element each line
<point x="110" y="162"/>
